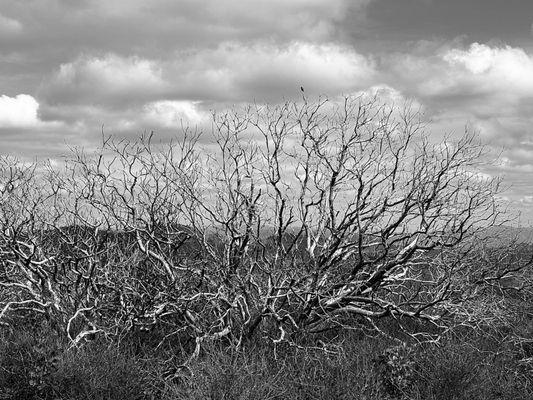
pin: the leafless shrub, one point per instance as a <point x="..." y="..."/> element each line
<point x="300" y="218"/>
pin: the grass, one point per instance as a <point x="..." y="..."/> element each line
<point x="35" y="364"/>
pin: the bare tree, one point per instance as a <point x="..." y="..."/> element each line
<point x="341" y="210"/>
<point x="302" y="217"/>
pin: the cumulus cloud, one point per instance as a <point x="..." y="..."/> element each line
<point x="466" y="75"/>
<point x="266" y="71"/>
<point x="501" y="69"/>
<point x="173" y="114"/>
<point x="103" y="80"/>
<point x="133" y="65"/>
<point x="390" y="96"/>
<point x="88" y="88"/>
<point x="156" y="28"/>
<point x="487" y="88"/>
<point x="18" y="111"/>
<point x="23" y="133"/>
<point x="495" y="86"/>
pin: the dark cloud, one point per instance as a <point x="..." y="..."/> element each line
<point x="477" y="20"/>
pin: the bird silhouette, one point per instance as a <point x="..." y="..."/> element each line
<point x="302" y="89"/>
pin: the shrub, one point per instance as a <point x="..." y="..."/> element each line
<point x="27" y="359"/>
<point x="396" y="369"/>
<point x="100" y="371"/>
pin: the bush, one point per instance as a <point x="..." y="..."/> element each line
<point x="27" y="359"/>
<point x="463" y="370"/>
<point x="396" y="369"/>
<point x="100" y="371"/>
<point x="221" y="374"/>
<point x="38" y="365"/>
<point x="288" y="373"/>
<point x="35" y="364"/>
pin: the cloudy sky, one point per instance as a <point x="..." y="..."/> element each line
<point x="69" y="67"/>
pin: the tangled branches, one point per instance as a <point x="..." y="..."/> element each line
<point x="295" y="219"/>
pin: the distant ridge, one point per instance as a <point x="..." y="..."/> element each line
<point x="505" y="234"/>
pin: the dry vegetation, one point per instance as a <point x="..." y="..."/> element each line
<point x="308" y="250"/>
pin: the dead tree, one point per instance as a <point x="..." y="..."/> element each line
<point x="287" y="221"/>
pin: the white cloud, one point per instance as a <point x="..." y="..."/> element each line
<point x="488" y="88"/>
<point x="171" y="114"/>
<point x="118" y="72"/>
<point x="481" y="77"/>
<point x="508" y="69"/>
<point x="268" y="71"/>
<point x="390" y="96"/>
<point x="18" y="111"/>
<point x="232" y="72"/>
<point x="103" y="80"/>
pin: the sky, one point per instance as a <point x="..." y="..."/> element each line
<point x="70" y="68"/>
